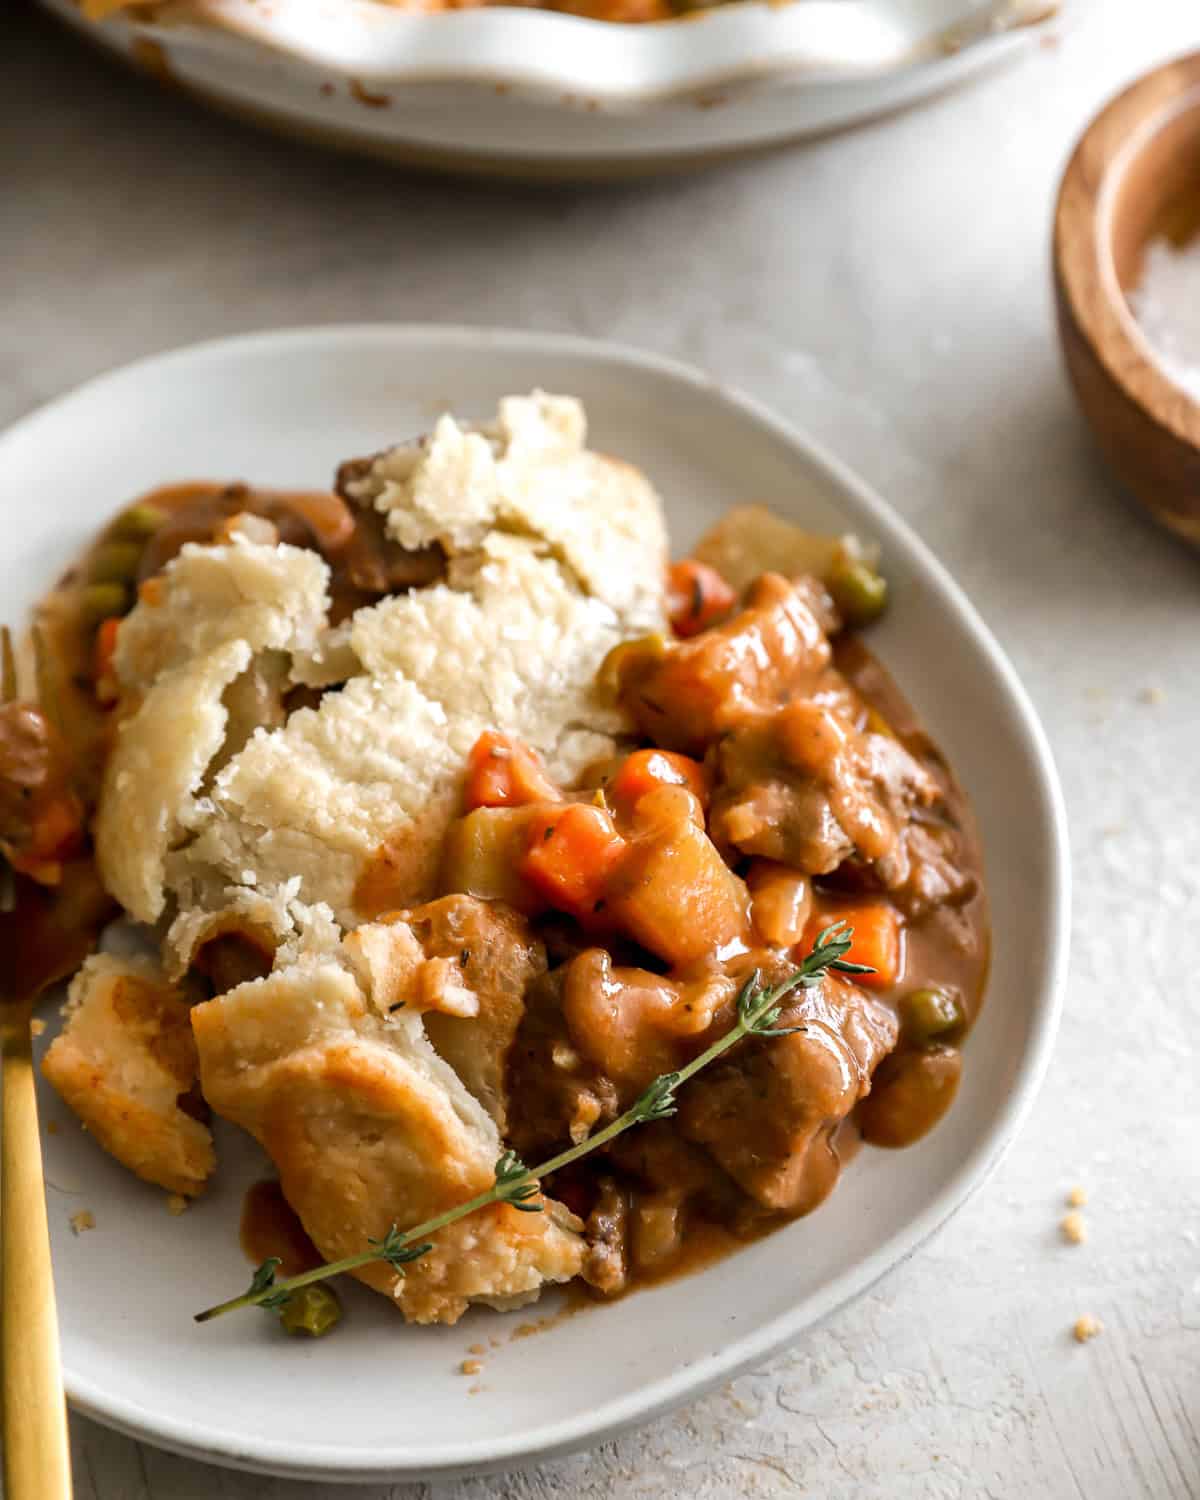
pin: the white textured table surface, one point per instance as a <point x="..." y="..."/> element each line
<point x="887" y="290"/>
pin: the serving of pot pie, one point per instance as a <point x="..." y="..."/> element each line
<point x="451" y="820"/>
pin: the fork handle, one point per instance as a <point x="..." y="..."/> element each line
<point x="37" y="1461"/>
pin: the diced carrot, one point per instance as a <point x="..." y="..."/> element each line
<point x="503" y="772"/>
<point x="696" y="596"/>
<point x="876" y="939"/>
<point x="645" y="770"/>
<point x="569" y="856"/>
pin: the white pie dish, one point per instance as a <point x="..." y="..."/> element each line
<point x="379" y="1401"/>
<point x="538" y="92"/>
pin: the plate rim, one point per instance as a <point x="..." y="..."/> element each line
<point x="720" y="53"/>
<point x="651" y="1399"/>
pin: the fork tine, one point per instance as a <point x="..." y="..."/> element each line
<point x="47" y="688"/>
<point x="8" y="666"/>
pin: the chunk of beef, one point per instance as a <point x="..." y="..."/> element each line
<point x="933" y="875"/>
<point x="632" y="1024"/>
<point x="809" y="789"/>
<point x="27" y="765"/>
<point x="371" y="561"/>
<point x="196" y="513"/>
<point x="767" y="1113"/>
<point x="556" y="1094"/>
<point x="765" y="805"/>
<point x="594" y="1035"/>
<point x="606" y="1232"/>
<point x="495" y="958"/>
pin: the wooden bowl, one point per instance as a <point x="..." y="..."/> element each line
<point x="1134" y="176"/>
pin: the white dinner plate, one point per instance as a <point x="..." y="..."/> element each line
<point x="378" y="1400"/>
<point x="519" y="91"/>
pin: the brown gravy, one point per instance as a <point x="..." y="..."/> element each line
<point x="269" y="1227"/>
<point x="951" y="945"/>
<point x="707" y="1241"/>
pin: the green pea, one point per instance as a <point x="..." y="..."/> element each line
<point x="115" y="562"/>
<point x="930" y="1013"/>
<point x="859" y="592"/>
<point x="138" y="522"/>
<point x="100" y="601"/>
<point x="312" y="1309"/>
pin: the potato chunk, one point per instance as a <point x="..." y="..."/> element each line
<point x="672" y="892"/>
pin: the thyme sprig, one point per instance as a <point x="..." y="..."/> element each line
<point x="758" y="1012"/>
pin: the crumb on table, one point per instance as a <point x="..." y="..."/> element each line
<point x="176" y="1204"/>
<point x="82" y="1220"/>
<point x="471" y="1367"/>
<point x="1077" y="1197"/>
<point x="476" y="1348"/>
<point x="1074" y="1228"/>
<point x="1087" y="1327"/>
<point x="36" y="1026"/>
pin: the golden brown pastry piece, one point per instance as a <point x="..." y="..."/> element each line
<point x="552" y="554"/>
<point x="370" y="1127"/>
<point x="123" y="1060"/>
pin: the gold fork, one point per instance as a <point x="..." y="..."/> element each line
<point x="37" y="1462"/>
